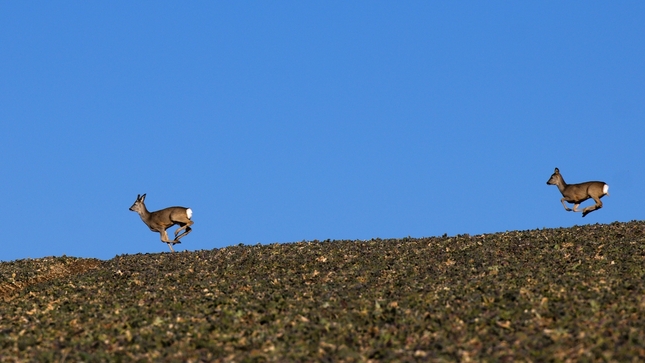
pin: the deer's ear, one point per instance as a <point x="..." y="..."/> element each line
<point x="557" y="171"/>
<point x="143" y="197"/>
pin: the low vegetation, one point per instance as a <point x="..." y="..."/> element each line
<point x="540" y="295"/>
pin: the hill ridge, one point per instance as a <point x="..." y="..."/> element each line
<point x="543" y="294"/>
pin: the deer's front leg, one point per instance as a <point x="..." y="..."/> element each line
<point x="575" y="207"/>
<point x="164" y="236"/>
<point x="164" y="239"/>
<point x="565" y="206"/>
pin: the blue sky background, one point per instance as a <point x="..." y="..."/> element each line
<point x="289" y="121"/>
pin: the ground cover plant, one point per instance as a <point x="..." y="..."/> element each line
<point x="539" y="295"/>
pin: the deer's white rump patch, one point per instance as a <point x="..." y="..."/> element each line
<point x="189" y="213"/>
<point x="605" y="190"/>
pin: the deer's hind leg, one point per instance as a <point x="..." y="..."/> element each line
<point x="592" y="208"/>
<point x="186" y="228"/>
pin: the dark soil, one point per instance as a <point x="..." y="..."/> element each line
<point x="567" y="294"/>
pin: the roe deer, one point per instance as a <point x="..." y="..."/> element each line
<point x="578" y="193"/>
<point x="161" y="220"/>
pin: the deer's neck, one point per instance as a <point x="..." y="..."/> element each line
<point x="145" y="215"/>
<point x="562" y="185"/>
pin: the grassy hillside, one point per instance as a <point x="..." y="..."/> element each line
<point x="552" y="294"/>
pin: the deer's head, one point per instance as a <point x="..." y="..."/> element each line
<point x="138" y="205"/>
<point x="555" y="178"/>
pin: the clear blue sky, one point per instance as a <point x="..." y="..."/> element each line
<point x="289" y="121"/>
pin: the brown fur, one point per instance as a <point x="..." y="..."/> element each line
<point x="578" y="193"/>
<point x="161" y="220"/>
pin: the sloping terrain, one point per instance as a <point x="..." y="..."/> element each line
<point x="551" y="294"/>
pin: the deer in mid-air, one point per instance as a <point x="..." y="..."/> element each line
<point x="578" y="193"/>
<point x="161" y="220"/>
